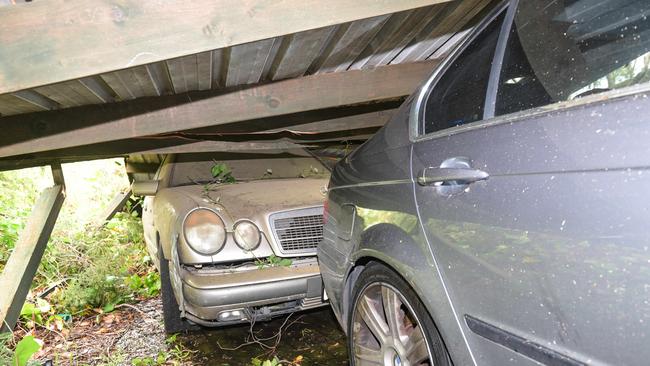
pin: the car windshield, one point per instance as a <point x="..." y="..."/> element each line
<point x="197" y="168"/>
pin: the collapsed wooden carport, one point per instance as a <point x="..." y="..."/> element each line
<point x="84" y="80"/>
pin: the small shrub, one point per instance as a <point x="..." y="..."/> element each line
<point x="6" y="356"/>
<point x="95" y="287"/>
<point x="145" y="286"/>
<point x="117" y="271"/>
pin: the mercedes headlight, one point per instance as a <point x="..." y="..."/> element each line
<point x="247" y="235"/>
<point x="204" y="231"/>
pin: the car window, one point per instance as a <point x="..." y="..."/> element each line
<point x="564" y="50"/>
<point x="197" y="167"/>
<point x="459" y="95"/>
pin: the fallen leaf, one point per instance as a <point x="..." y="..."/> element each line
<point x="108" y="319"/>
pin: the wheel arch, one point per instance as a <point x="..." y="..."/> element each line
<point x="409" y="256"/>
<point x="376" y="245"/>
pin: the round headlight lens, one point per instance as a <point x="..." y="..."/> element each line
<point x="247" y="235"/>
<point x="204" y="231"/>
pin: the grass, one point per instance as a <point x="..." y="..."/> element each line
<point x="89" y="267"/>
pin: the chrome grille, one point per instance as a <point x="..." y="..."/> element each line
<point x="298" y="231"/>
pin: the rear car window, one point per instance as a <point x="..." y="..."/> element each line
<point x="196" y="168"/>
<point x="459" y="95"/>
<point x="564" y="50"/>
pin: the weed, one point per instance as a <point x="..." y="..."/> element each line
<point x="117" y="272"/>
<point x="146" y="286"/>
<point x="273" y="261"/>
<point x="18" y="192"/>
<point x="257" y="362"/>
<point x="83" y="267"/>
<point x="5" y="354"/>
<point x="221" y="173"/>
<point x="24" y="350"/>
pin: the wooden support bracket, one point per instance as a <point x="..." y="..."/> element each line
<point x="21" y="267"/>
<point x="115" y="206"/>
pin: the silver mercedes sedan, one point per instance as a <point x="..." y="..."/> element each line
<point x="234" y="235"/>
<point x="502" y="216"/>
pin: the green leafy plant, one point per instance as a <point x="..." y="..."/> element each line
<point x="257" y="362"/>
<point x="6" y="355"/>
<point x="35" y="313"/>
<point x="221" y="173"/>
<point x="145" y="286"/>
<point x="273" y="261"/>
<point x="18" y="192"/>
<point x="25" y="349"/>
<point x="131" y="206"/>
<point x="116" y="271"/>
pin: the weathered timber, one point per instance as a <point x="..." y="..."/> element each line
<point x="78" y="38"/>
<point x="140" y="167"/>
<point x="86" y="125"/>
<point x="116" y="205"/>
<point x="225" y="146"/>
<point x="352" y="119"/>
<point x="21" y="267"/>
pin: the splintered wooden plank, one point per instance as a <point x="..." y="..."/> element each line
<point x="78" y="38"/>
<point x="448" y="22"/>
<point x="88" y="125"/>
<point x="351" y="39"/>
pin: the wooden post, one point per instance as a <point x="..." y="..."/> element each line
<point x="114" y="207"/>
<point x="21" y="267"/>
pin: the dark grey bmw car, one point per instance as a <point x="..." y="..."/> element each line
<point x="502" y="216"/>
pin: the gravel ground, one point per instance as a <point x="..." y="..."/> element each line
<point x="146" y="336"/>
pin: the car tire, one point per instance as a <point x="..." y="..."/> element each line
<point x="377" y="288"/>
<point x="171" y="311"/>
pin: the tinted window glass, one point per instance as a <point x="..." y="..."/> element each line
<point x="563" y="50"/>
<point x="459" y="96"/>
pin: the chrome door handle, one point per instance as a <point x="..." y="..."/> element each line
<point x="458" y="176"/>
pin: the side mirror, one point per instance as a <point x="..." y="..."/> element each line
<point x="145" y="187"/>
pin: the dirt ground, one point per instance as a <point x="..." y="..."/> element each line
<point x="134" y="335"/>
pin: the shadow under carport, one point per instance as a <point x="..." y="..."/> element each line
<point x="310" y="338"/>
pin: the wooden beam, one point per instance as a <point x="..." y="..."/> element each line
<point x="350" y="119"/>
<point x="70" y="39"/>
<point x="21" y="267"/>
<point x="365" y="120"/>
<point x="224" y="146"/>
<point x="140" y="167"/>
<point x="51" y="130"/>
<point x="115" y="206"/>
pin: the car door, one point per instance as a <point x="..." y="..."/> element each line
<point x="530" y="167"/>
